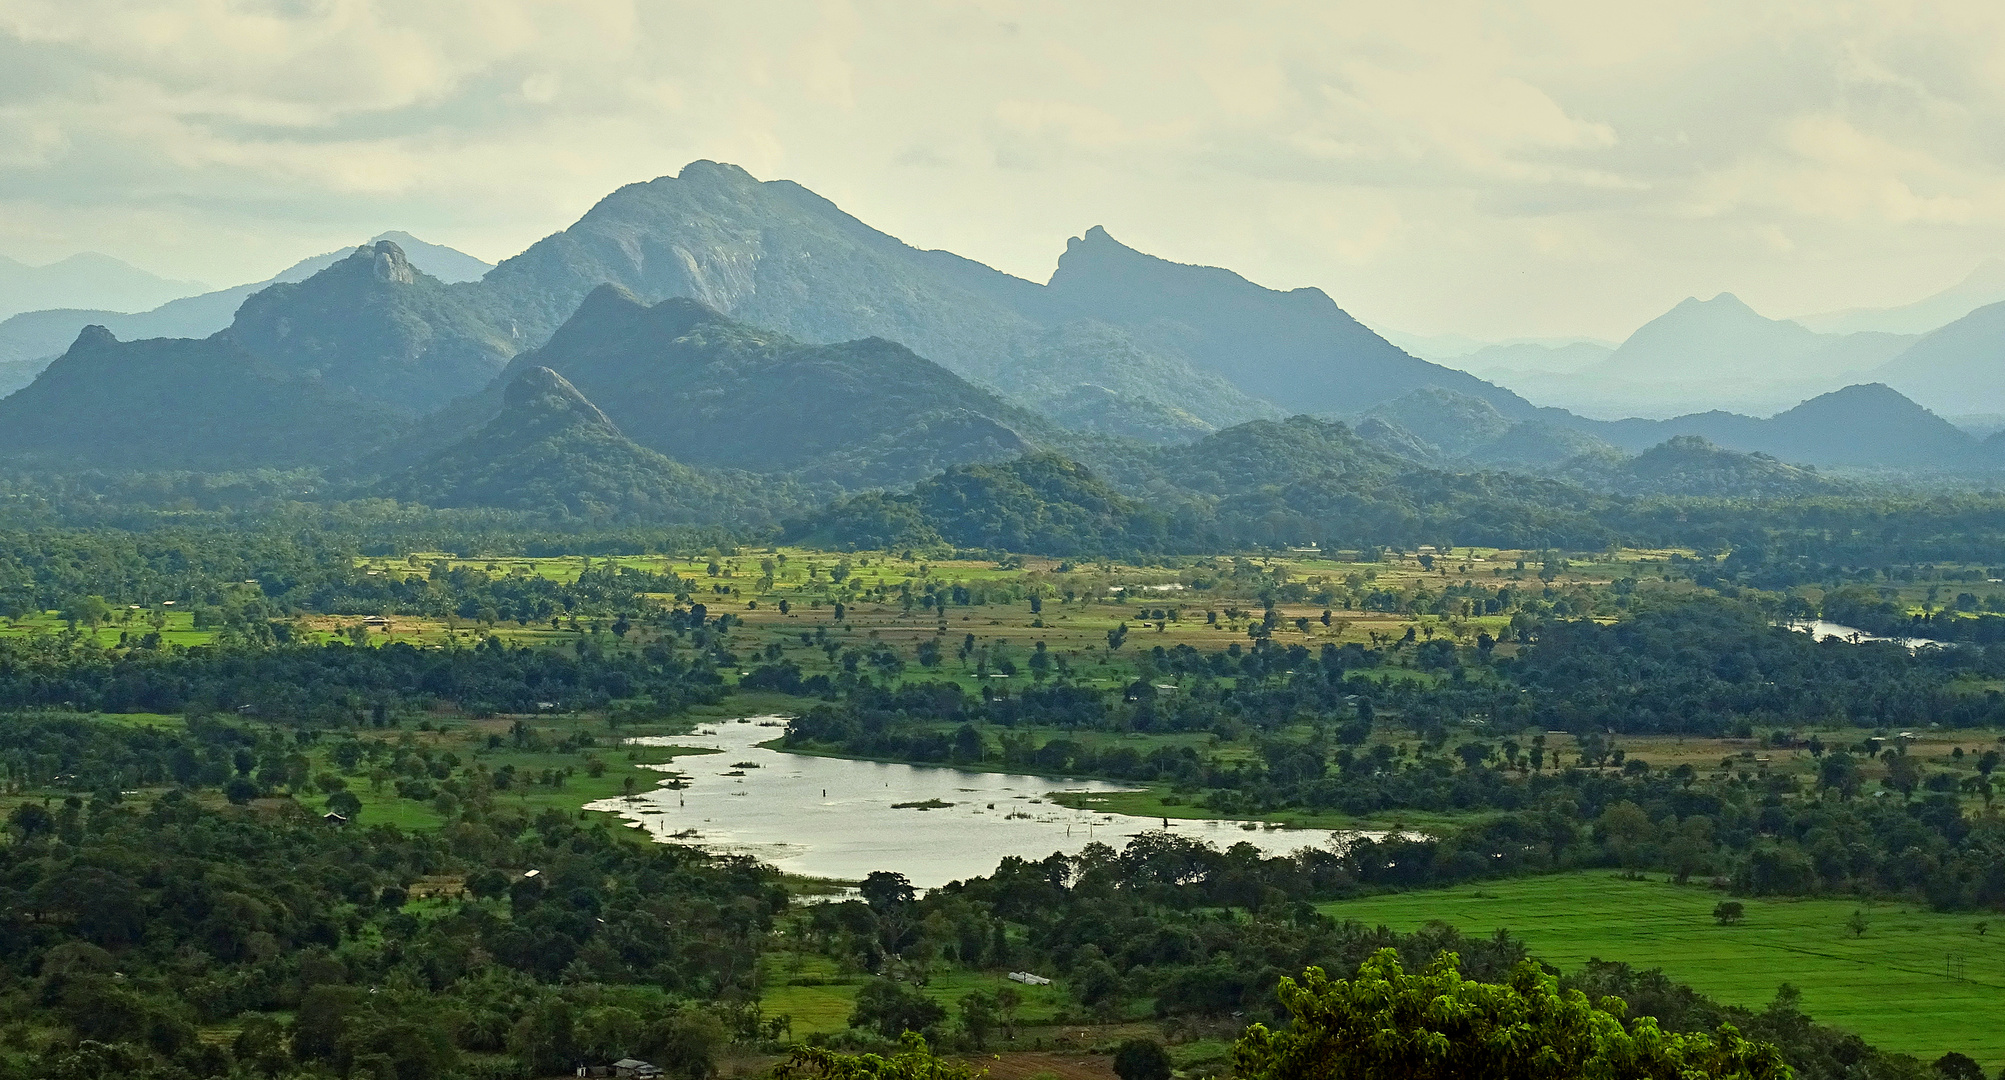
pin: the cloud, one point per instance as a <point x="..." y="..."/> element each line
<point x="1513" y="167"/>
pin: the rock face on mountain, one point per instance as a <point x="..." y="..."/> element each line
<point x="774" y="254"/>
<point x="169" y="403"/>
<point x="378" y="327"/>
<point x="685" y="381"/>
<point x="551" y="451"/>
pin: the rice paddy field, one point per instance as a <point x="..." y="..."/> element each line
<point x="1895" y="984"/>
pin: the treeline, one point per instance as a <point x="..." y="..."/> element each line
<point x="340" y="684"/>
<point x="1698" y="666"/>
<point x="1479" y="726"/>
<point x="275" y="574"/>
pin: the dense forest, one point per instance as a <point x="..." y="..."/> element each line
<point x="197" y="672"/>
<point x="544" y="942"/>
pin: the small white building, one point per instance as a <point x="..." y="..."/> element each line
<point x="1028" y="979"/>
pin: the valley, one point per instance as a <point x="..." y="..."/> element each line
<point x="723" y="631"/>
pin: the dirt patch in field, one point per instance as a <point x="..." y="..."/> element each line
<point x="1023" y="1066"/>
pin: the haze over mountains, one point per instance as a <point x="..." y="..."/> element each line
<point x="712" y="344"/>
<point x="1721" y="354"/>
<point x="86" y="280"/>
<point x="36" y="334"/>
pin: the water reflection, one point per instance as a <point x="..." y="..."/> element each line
<point x="833" y="817"/>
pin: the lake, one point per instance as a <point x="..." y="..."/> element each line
<point x="1825" y="631"/>
<point x="836" y="818"/>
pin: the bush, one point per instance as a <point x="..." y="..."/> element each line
<point x="1142" y="1059"/>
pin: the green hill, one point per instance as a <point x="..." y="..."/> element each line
<point x="1456" y="428"/>
<point x="1268" y="453"/>
<point x="552" y="451"/>
<point x="375" y="325"/>
<point x="176" y="403"/>
<point x="1262" y="484"/>
<point x="687" y="382"/>
<point x="1039" y="502"/>
<point x="1690" y="465"/>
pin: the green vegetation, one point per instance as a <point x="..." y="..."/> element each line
<point x="1387" y="1025"/>
<point x="550" y="448"/>
<point x="1869" y="983"/>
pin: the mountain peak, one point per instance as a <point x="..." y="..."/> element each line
<point x="541" y="394"/>
<point x="94" y="337"/>
<point x="704" y="170"/>
<point x="1096" y="236"/>
<point x="389" y="262"/>
<point x="1724" y="303"/>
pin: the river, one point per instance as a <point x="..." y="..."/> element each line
<point x="834" y="817"/>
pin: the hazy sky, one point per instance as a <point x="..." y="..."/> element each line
<point x="1492" y="168"/>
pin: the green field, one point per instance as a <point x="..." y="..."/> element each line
<point x="1888" y="985"/>
<point x="817" y="997"/>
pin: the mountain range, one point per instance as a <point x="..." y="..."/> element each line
<point x="1942" y="351"/>
<point x="1200" y="341"/>
<point x="1984" y="286"/>
<point x="712" y="344"/>
<point x="85" y="280"/>
<point x="30" y="339"/>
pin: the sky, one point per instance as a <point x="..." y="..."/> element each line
<point x="1497" y="169"/>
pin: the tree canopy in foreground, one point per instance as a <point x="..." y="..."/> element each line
<point x="1385" y="1023"/>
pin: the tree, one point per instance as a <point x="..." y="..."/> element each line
<point x="913" y="1061"/>
<point x="32" y="820"/>
<point x="1728" y="912"/>
<point x="90" y="611"/>
<point x="1955" y="1066"/>
<point x="1008" y="1001"/>
<point x="240" y="790"/>
<point x="979" y="1017"/>
<point x="344" y="803"/>
<point x="691" y="1039"/>
<point x="1387" y="1024"/>
<point x="1856" y="922"/>
<point x="1141" y="1059"/>
<point x="893" y="1008"/>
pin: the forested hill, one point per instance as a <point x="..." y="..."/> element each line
<point x="1298" y="482"/>
<point x="550" y="450"/>
<point x="171" y="403"/>
<point x="376" y="326"/>
<point x="687" y="382"/>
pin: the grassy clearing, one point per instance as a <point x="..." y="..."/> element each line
<point x="818" y="996"/>
<point x="1889" y="985"/>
